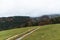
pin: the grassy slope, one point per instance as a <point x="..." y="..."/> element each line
<point x="48" y="32"/>
<point x="8" y="33"/>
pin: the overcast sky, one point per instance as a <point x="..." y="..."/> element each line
<point x="29" y="7"/>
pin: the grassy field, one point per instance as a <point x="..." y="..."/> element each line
<point x="47" y="32"/>
<point x="8" y="33"/>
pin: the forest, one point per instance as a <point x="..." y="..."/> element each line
<point x="25" y="21"/>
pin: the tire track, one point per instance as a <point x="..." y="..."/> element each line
<point x="22" y="35"/>
<point x="28" y="33"/>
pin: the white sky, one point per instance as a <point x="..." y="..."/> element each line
<point x="29" y="7"/>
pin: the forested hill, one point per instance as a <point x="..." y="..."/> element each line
<point x="14" y="22"/>
<point x="25" y="21"/>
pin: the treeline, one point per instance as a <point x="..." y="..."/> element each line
<point x="25" y="21"/>
<point x="14" y="22"/>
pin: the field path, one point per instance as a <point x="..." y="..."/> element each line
<point x="21" y="36"/>
<point x="28" y="33"/>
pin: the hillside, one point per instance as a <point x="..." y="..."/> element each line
<point x="25" y="21"/>
<point x="9" y="33"/>
<point x="47" y="32"/>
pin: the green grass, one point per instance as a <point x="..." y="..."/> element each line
<point x="47" y="32"/>
<point x="8" y="33"/>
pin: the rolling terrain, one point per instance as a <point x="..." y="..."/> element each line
<point x="49" y="27"/>
<point x="9" y="33"/>
<point x="47" y="32"/>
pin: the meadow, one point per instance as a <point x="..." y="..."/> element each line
<point x="47" y="32"/>
<point x="9" y="33"/>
